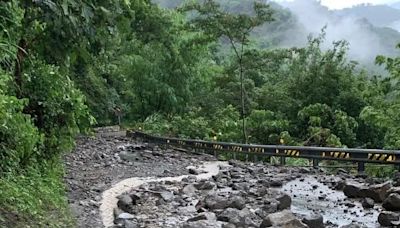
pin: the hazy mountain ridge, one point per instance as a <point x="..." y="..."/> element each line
<point x="363" y="26"/>
<point x="396" y="5"/>
<point x="378" y="15"/>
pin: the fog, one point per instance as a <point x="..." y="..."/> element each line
<point x="364" y="41"/>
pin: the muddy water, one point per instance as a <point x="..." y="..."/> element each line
<point x="109" y="197"/>
<point x="309" y="195"/>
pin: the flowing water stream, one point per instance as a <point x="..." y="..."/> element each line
<point x="309" y="195"/>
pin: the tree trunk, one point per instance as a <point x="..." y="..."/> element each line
<point x="242" y="101"/>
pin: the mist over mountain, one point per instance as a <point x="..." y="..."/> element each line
<point x="364" y="26"/>
<point x="378" y="15"/>
<point x="396" y="5"/>
<point x="370" y="30"/>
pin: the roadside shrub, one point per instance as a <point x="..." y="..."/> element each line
<point x="265" y="127"/>
<point x="56" y="106"/>
<point x="19" y="138"/>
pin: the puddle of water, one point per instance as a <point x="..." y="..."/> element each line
<point x="310" y="196"/>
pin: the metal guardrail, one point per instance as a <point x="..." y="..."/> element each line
<point x="361" y="156"/>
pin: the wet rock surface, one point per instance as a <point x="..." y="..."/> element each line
<point x="232" y="198"/>
<point x="240" y="195"/>
<point x="99" y="162"/>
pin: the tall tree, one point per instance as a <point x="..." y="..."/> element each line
<point x="233" y="27"/>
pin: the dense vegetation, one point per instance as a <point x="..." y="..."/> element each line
<point x="192" y="72"/>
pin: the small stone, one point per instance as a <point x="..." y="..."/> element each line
<point x="192" y="170"/>
<point x="367" y="203"/>
<point x="130" y="224"/>
<point x="189" y="190"/>
<point x="167" y="196"/>
<point x="203" y="216"/>
<point x="125" y="216"/>
<point x="201" y="224"/>
<point x="187" y="210"/>
<point x="351" y="225"/>
<point x="117" y="211"/>
<point x="125" y="202"/>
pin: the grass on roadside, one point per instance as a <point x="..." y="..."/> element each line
<point x="34" y="198"/>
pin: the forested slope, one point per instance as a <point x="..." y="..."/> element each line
<point x="68" y="65"/>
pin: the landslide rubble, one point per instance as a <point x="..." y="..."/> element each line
<point x="237" y="195"/>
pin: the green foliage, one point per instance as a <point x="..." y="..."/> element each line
<point x="380" y="171"/>
<point x="236" y="27"/>
<point x="190" y="125"/>
<point x="171" y="72"/>
<point x="265" y="127"/>
<point x="327" y="127"/>
<point x="222" y="126"/>
<point x="19" y="139"/>
<point x="57" y="108"/>
<point x="35" y="198"/>
<point x="225" y="125"/>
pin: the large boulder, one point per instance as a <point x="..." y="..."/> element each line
<point x="237" y="202"/>
<point x="377" y="192"/>
<point x="205" y="185"/>
<point x="314" y="221"/>
<point x="393" y="190"/>
<point x="284" y="201"/>
<point x="269" y="206"/>
<point x="387" y="218"/>
<point x="214" y="201"/>
<point x="282" y="219"/>
<point x="240" y="218"/>
<point x="353" y="189"/>
<point x="392" y="202"/>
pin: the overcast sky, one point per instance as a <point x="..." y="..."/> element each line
<point x="339" y="4"/>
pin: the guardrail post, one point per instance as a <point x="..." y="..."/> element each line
<point x="283" y="160"/>
<point x="360" y="167"/>
<point x="315" y="162"/>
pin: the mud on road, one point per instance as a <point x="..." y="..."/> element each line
<point x="261" y="192"/>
